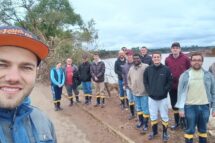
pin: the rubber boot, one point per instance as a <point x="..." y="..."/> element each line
<point x="71" y="102"/>
<point x="55" y="107"/>
<point x="154" y="131"/>
<point x="77" y="99"/>
<point x="176" y="117"/>
<point x="126" y="102"/>
<point x="202" y="140"/>
<point x="86" y="99"/>
<point x="141" y="121"/>
<point x="183" y="123"/>
<point x="90" y="99"/>
<point x="132" y="115"/>
<point x="103" y="102"/>
<point x="97" y="101"/>
<point x="145" y="126"/>
<point x="58" y="106"/>
<point x="122" y="103"/>
<point x="189" y="140"/>
<point x="165" y="134"/>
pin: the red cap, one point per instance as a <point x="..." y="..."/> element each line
<point x="19" y="37"/>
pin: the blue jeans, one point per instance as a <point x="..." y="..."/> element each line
<point x="196" y="115"/>
<point x="87" y="87"/>
<point x="121" y="90"/>
<point x="141" y="104"/>
<point x="130" y="95"/>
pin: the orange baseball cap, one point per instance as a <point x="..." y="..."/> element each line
<point x="19" y="37"/>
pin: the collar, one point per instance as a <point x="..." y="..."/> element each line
<point x="18" y="112"/>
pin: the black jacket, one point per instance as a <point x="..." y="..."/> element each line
<point x="84" y="72"/>
<point x="146" y="59"/>
<point x="157" y="81"/>
<point x="118" y="67"/>
<point x="98" y="70"/>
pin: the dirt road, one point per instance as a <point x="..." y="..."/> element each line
<point x="87" y="124"/>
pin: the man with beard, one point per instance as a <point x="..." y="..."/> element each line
<point x="157" y="81"/>
<point x="135" y="83"/>
<point x="20" y="55"/>
<point x="177" y="63"/>
<point x="196" y="95"/>
<point x="118" y="70"/>
<point x="72" y="81"/>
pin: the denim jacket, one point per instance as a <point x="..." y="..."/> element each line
<point x="209" y="82"/>
<point x="25" y="124"/>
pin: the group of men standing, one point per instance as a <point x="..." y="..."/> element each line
<point x="147" y="83"/>
<point x="72" y="76"/>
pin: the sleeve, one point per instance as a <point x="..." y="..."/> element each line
<point x="213" y="93"/>
<point x="181" y="95"/>
<point x="146" y="80"/>
<point x="166" y="63"/>
<point x="91" y="71"/>
<point x="169" y="80"/>
<point x="188" y="63"/>
<point x="125" y="83"/>
<point x="116" y="68"/>
<point x="102" y="72"/>
<point x="129" y="78"/>
<point x="63" y="80"/>
<point x="53" y="80"/>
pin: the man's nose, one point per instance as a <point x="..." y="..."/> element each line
<point x="13" y="74"/>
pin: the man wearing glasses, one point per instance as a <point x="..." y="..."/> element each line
<point x="196" y="95"/>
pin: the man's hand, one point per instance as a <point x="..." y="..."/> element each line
<point x="96" y="78"/>
<point x="181" y="113"/>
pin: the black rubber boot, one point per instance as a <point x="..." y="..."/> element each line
<point x="86" y="99"/>
<point x="154" y="132"/>
<point x="90" y="99"/>
<point x="55" y="107"/>
<point x="97" y="101"/>
<point x="103" y="102"/>
<point x="165" y="134"/>
<point x="189" y="140"/>
<point x="141" y="121"/>
<point x="183" y="123"/>
<point x="202" y="140"/>
<point x="126" y="102"/>
<point x="176" y="117"/>
<point x="122" y="103"/>
<point x="132" y="115"/>
<point x="77" y="99"/>
<point x="58" y="106"/>
<point x="145" y="126"/>
<point x="71" y="102"/>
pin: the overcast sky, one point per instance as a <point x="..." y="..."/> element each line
<point x="152" y="23"/>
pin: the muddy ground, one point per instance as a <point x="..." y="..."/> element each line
<point x="88" y="124"/>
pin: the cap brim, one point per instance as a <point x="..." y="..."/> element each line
<point x="35" y="46"/>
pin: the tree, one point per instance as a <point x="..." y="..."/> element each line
<point x="55" y="23"/>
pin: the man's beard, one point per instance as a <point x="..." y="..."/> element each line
<point x="10" y="102"/>
<point x="137" y="63"/>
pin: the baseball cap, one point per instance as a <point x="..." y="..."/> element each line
<point x="19" y="37"/>
<point x="176" y="44"/>
<point x="129" y="52"/>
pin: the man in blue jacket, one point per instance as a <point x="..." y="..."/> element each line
<point x="20" y="54"/>
<point x="196" y="95"/>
